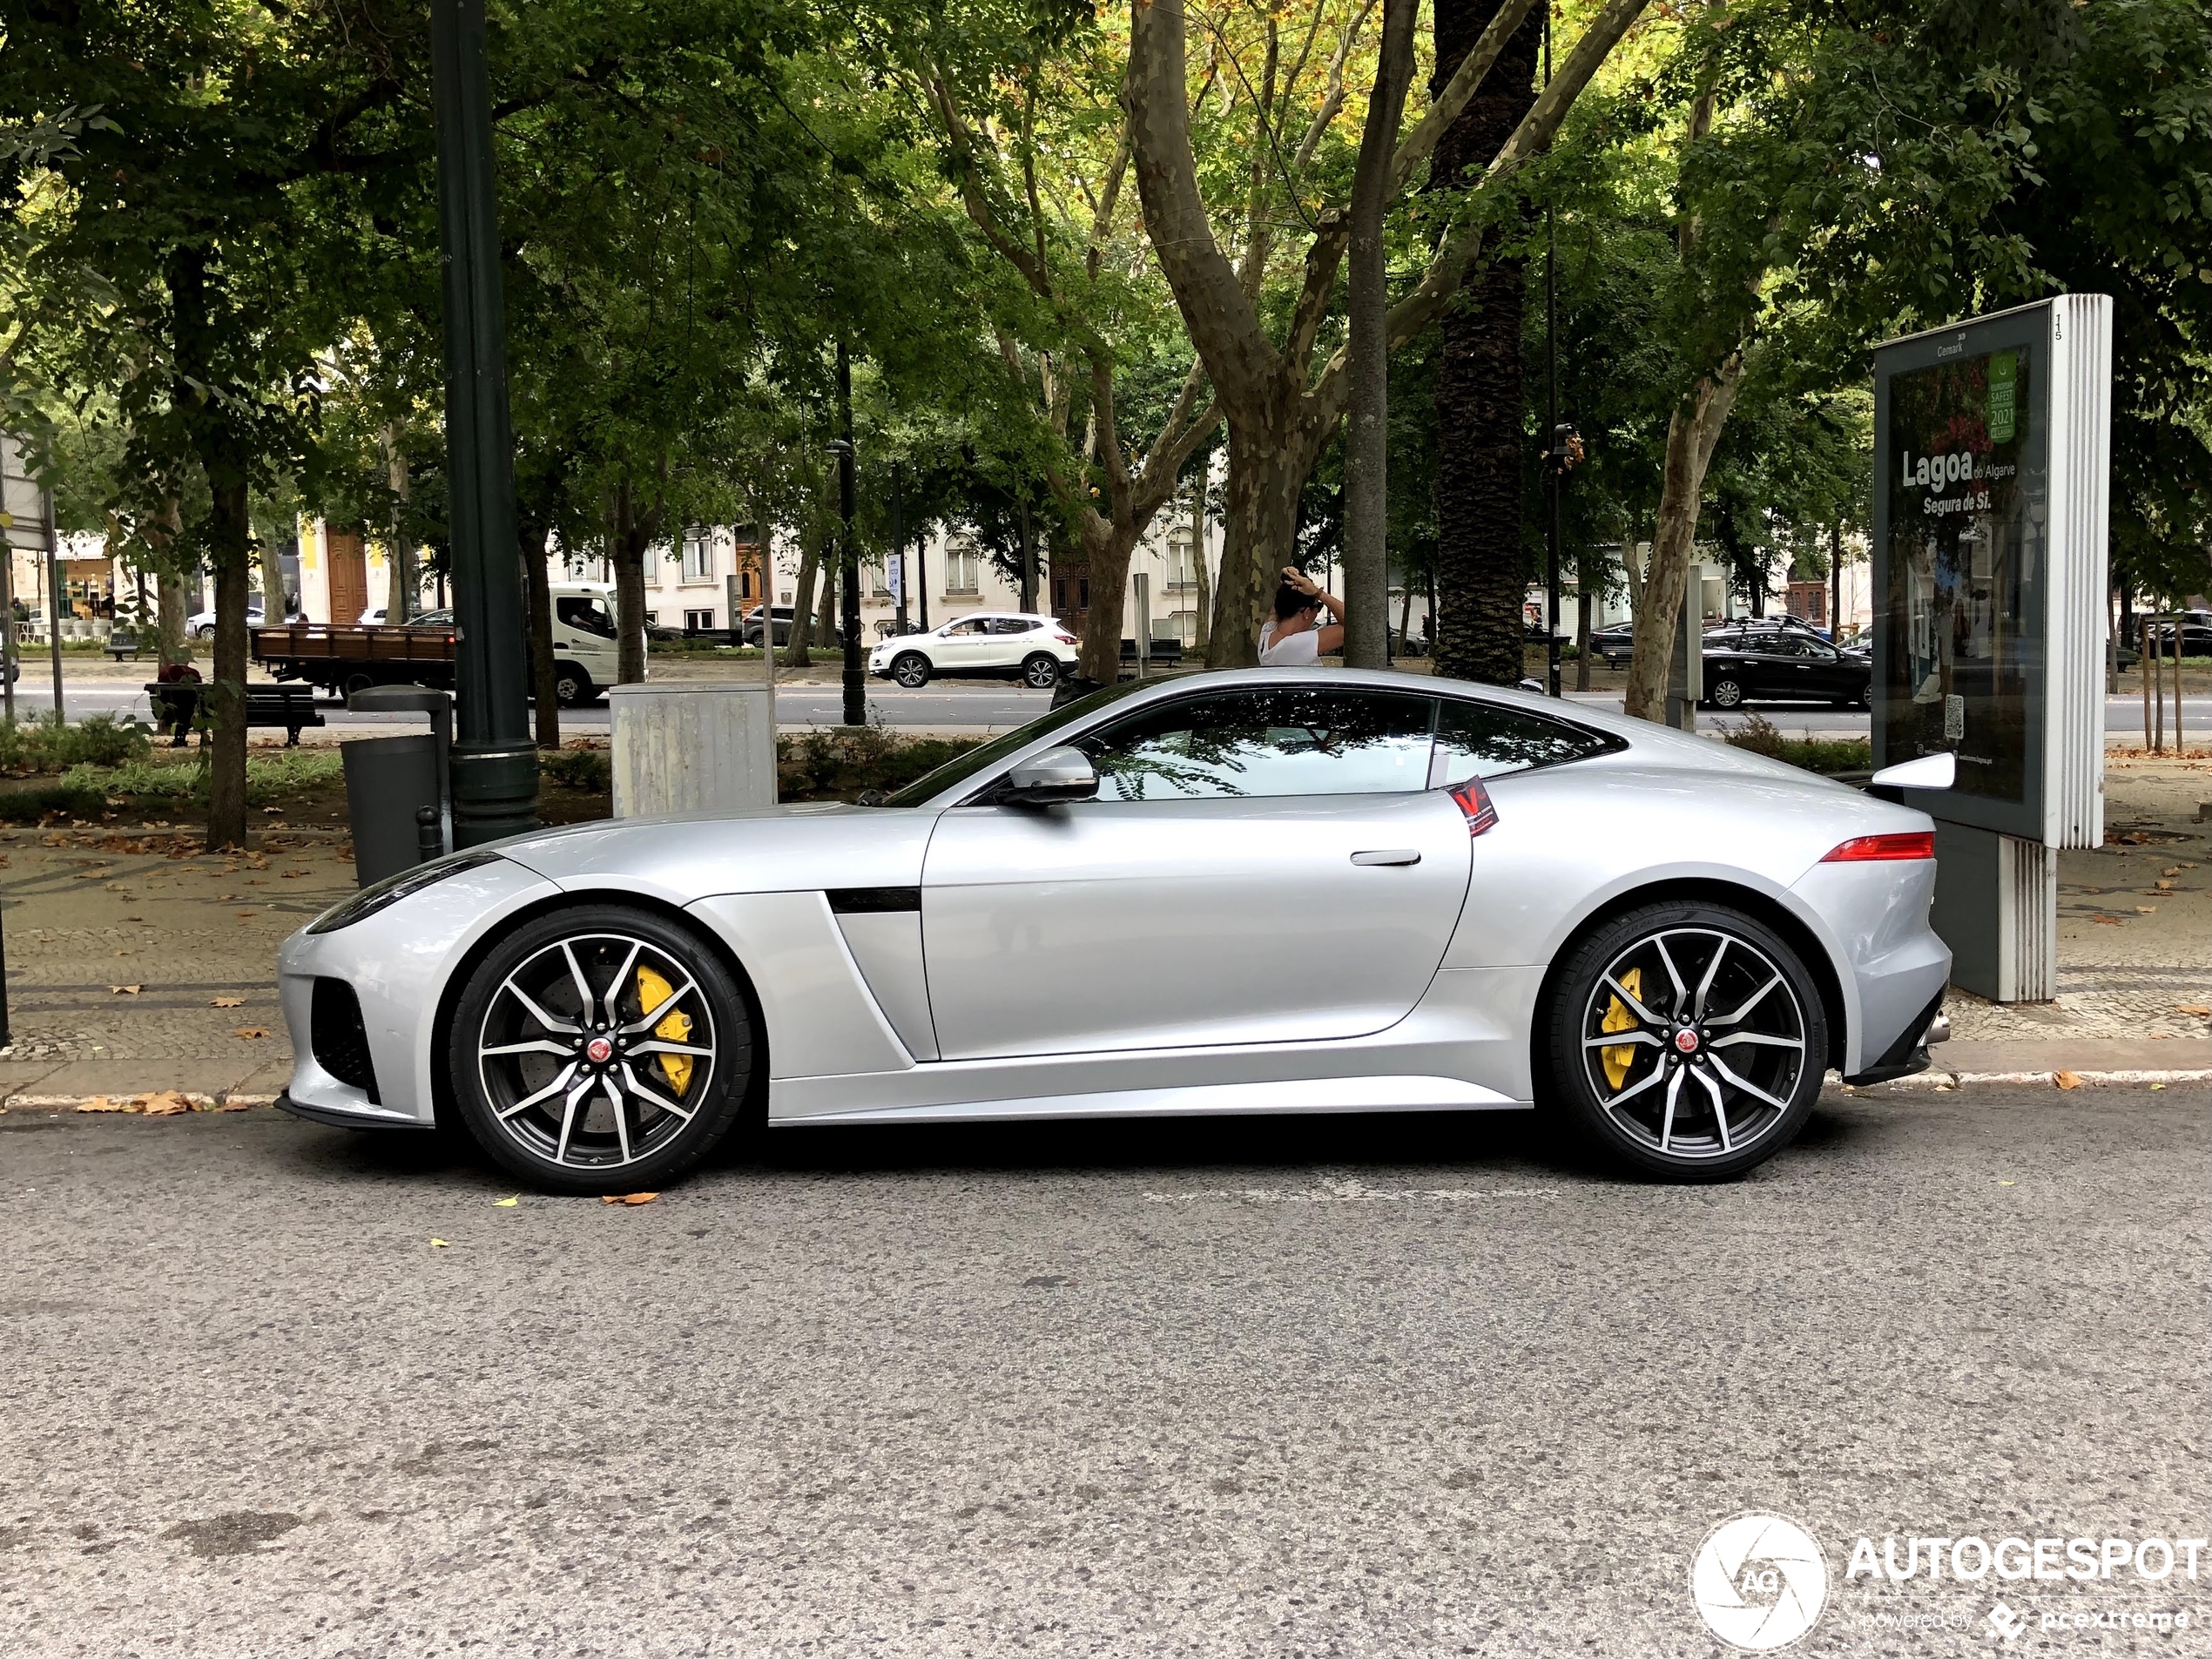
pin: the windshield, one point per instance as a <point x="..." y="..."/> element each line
<point x="978" y="760"/>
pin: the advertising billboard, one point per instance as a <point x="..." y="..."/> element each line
<point x="1989" y="574"/>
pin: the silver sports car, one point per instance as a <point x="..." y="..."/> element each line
<point x="1270" y="891"/>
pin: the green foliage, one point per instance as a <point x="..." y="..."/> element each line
<point x="838" y="764"/>
<point x="46" y="744"/>
<point x="580" y="767"/>
<point x="1829" y="756"/>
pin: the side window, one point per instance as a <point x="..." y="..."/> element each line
<point x="587" y="616"/>
<point x="967" y="629"/>
<point x="1011" y="625"/>
<point x="1254" y="743"/>
<point x="1489" y="741"/>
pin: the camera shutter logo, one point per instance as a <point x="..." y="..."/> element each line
<point x="1759" y="1581"/>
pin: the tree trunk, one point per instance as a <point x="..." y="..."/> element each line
<point x="172" y="604"/>
<point x="797" y="654"/>
<point x="275" y="602"/>
<point x="226" y="778"/>
<point x="1480" y="441"/>
<point x="1108" y="550"/>
<point x="537" y="590"/>
<point x="627" y="554"/>
<point x="1366" y="439"/>
<point x="1691" y="434"/>
<point x="1201" y="571"/>
<point x="401" y="605"/>
<point x="1265" y="475"/>
<point x="1582" y="633"/>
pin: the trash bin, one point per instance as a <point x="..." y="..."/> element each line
<point x="387" y="780"/>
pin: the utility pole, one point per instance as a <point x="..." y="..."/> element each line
<point x="1836" y="582"/>
<point x="53" y="596"/>
<point x="495" y="759"/>
<point x="856" y="698"/>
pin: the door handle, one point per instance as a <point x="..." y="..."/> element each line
<point x="1388" y="855"/>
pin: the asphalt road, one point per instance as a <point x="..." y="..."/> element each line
<point x="1357" y="1387"/>
<point x="992" y="705"/>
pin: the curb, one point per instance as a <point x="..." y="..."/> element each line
<point x="226" y="1100"/>
<point x="1932" y="1081"/>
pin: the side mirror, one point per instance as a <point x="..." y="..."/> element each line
<point x="1055" y="775"/>
<point x="1929" y="771"/>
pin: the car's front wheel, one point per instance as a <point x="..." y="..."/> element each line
<point x="911" y="669"/>
<point x="600" y="1049"/>
<point x="1040" y="671"/>
<point x="1687" y="1040"/>
<point x="572" y="687"/>
<point x="1726" y="693"/>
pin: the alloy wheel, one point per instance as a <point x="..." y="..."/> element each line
<point x="1693" y="1042"/>
<point x="597" y="1051"/>
<point x="911" y="671"/>
<point x="1041" y="673"/>
<point x="1727" y="694"/>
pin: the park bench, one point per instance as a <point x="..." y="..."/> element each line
<point x="120" y="642"/>
<point x="1166" y="653"/>
<point x="289" y="706"/>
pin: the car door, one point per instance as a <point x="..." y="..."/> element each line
<point x="1263" y="865"/>
<point x="959" y="647"/>
<point x="1009" y="643"/>
<point x="1827" y="675"/>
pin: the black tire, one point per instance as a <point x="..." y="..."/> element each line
<point x="1737" y="1094"/>
<point x="1726" y="693"/>
<point x="585" y="1143"/>
<point x="911" y="669"/>
<point x="1040" y="671"/>
<point x="1865" y="697"/>
<point x="572" y="687"/>
<point x="358" y="680"/>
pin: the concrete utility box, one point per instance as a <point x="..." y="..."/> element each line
<point x="692" y="748"/>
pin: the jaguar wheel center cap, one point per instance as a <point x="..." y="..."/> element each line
<point x="598" y="1051"/>
<point x="1686" y="1040"/>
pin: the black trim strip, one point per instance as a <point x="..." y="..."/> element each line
<point x="870" y="902"/>
<point x="345" y="1120"/>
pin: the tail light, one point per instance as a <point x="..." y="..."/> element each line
<point x="1474" y="801"/>
<point x="1913" y="844"/>
<point x="1064" y="636"/>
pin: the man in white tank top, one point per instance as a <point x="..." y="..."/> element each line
<point x="1295" y="635"/>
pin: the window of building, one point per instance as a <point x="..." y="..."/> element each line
<point x="879" y="579"/>
<point x="1180" y="565"/>
<point x="698" y="622"/>
<point x="1082" y="593"/>
<point x="963" y="570"/>
<point x="698" y="556"/>
<point x="1059" y="593"/>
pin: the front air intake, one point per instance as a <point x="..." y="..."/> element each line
<point x="339" y="1039"/>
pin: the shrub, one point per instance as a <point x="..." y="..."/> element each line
<point x="1824" y="755"/>
<point x="45" y="743"/>
<point x="577" y="768"/>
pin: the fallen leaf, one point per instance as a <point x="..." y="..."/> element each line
<point x="2067" y="1079"/>
<point x="505" y="1203"/>
<point x="125" y="990"/>
<point x="234" y="1106"/>
<point x="2157" y="1086"/>
<point x="2008" y="1184"/>
<point x="2108" y="921"/>
<point x="628" y="1197"/>
<point x="246" y="915"/>
<point x="251" y="1032"/>
<point x="228" y="1002"/>
<point x="2197" y="1008"/>
<point x="2146" y="909"/>
<point x="167" y="1103"/>
<point x="102" y="1104"/>
<point x="440" y="1244"/>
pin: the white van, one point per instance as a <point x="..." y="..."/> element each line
<point x="585" y="652"/>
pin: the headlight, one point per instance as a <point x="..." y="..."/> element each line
<point x="393" y="889"/>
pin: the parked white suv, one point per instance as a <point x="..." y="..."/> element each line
<point x="997" y="644"/>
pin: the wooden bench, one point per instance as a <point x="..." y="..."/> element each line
<point x="117" y="643"/>
<point x="290" y="706"/>
<point x="1166" y="653"/>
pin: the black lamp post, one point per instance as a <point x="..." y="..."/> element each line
<point x="495" y="762"/>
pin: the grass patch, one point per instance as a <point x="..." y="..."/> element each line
<point x="150" y="785"/>
<point x="1823" y="755"/>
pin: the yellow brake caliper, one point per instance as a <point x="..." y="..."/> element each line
<point x="652" y="991"/>
<point x="1618" y="1057"/>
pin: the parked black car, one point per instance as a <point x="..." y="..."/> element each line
<point x="1761" y="661"/>
<point x="1615" y="645"/>
<point x="753" y="625"/>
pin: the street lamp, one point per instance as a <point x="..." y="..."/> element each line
<point x="856" y="697"/>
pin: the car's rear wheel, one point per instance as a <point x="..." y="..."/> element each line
<point x="600" y="1049"/>
<point x="1040" y="671"/>
<point x="911" y="669"/>
<point x="1726" y="693"/>
<point x="1687" y="1040"/>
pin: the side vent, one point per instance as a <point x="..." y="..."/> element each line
<point x="338" y="1038"/>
